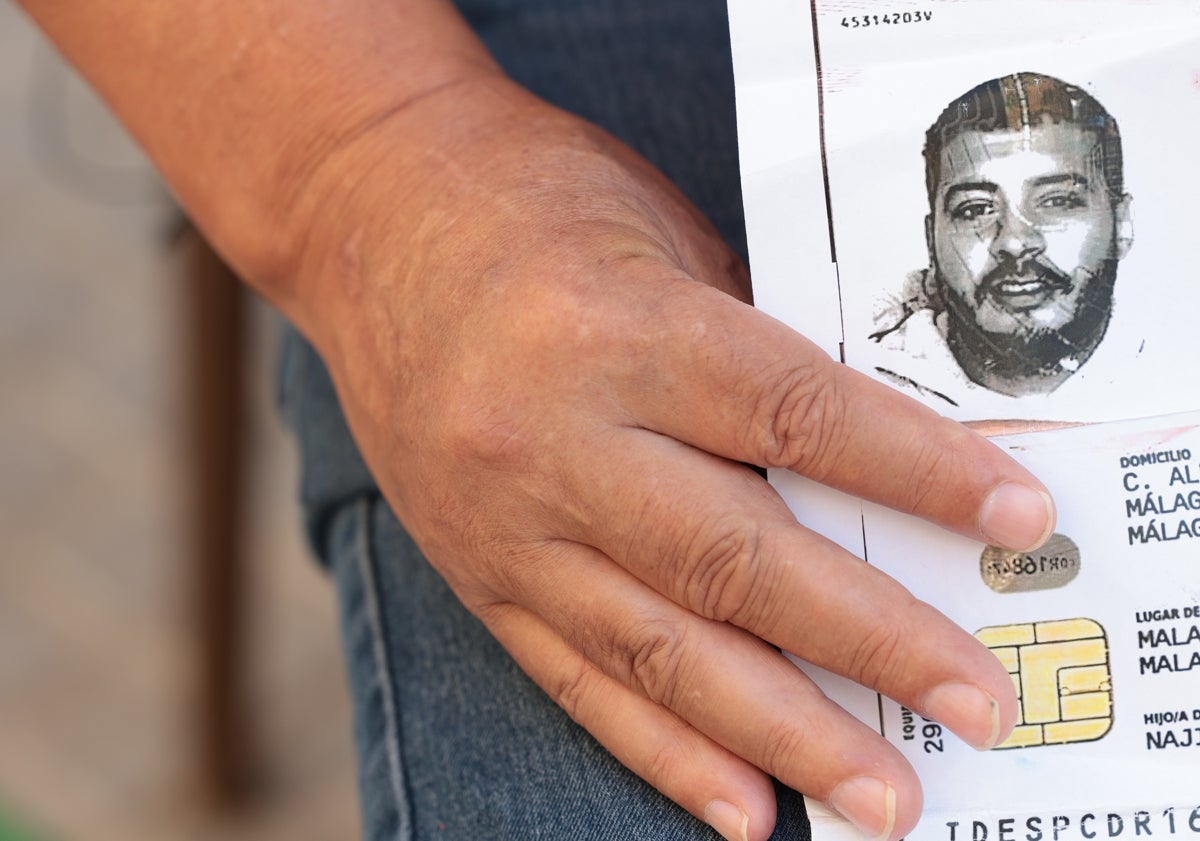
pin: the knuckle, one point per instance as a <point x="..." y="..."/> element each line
<point x="800" y="416"/>
<point x="570" y="689"/>
<point x="875" y="655"/>
<point x="787" y="742"/>
<point x="657" y="658"/>
<point x="925" y="479"/>
<point x="517" y="563"/>
<point x="662" y="764"/>
<point x="725" y="569"/>
<point x="481" y="433"/>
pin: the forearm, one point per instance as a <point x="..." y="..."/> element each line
<point x="253" y="109"/>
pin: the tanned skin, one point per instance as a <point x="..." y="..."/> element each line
<point x="447" y="240"/>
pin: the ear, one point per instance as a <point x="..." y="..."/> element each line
<point x="929" y="284"/>
<point x="1123" y="226"/>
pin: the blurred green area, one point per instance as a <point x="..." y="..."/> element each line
<point x="12" y="829"/>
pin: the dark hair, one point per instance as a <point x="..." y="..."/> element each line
<point x="1026" y="100"/>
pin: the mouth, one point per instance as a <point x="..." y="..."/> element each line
<point x="1025" y="292"/>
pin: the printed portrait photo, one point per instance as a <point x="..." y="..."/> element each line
<point x="1028" y="221"/>
<point x="1013" y="228"/>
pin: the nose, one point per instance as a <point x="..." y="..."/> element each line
<point x="1016" y="237"/>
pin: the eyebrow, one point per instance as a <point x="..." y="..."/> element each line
<point x="1063" y="178"/>
<point x="969" y="186"/>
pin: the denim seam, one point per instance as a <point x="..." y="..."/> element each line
<point x="383" y="671"/>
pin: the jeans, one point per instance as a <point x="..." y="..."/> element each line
<point x="454" y="741"/>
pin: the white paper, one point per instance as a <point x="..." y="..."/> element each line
<point x="1121" y="643"/>
<point x="829" y="108"/>
<point x="834" y="103"/>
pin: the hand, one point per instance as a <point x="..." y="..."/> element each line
<point x="548" y="359"/>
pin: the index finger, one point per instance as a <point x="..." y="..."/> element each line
<point x="735" y="382"/>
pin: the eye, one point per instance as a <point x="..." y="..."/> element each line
<point x="973" y="210"/>
<point x="1063" y="200"/>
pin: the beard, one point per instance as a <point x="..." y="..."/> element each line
<point x="1027" y="348"/>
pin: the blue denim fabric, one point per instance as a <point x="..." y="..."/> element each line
<point x="454" y="741"/>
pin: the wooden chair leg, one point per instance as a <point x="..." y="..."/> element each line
<point x="215" y="302"/>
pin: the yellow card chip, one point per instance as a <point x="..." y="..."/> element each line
<point x="1061" y="673"/>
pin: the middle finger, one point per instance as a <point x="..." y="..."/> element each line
<point x="714" y="537"/>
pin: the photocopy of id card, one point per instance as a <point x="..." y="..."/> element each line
<point x="988" y="204"/>
<point x="1100" y="631"/>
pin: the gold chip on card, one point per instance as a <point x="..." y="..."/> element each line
<point x="1061" y="673"/>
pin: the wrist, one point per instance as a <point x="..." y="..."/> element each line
<point x="364" y="213"/>
<point x="249" y="108"/>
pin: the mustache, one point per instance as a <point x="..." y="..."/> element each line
<point x="1024" y="270"/>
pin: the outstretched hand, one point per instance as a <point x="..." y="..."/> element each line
<point x="549" y="361"/>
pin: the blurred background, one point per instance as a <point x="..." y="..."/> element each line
<point x="166" y="672"/>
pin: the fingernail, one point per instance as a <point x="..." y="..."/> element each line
<point x="868" y="803"/>
<point x="1017" y="517"/>
<point x="967" y="710"/>
<point x="731" y="822"/>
